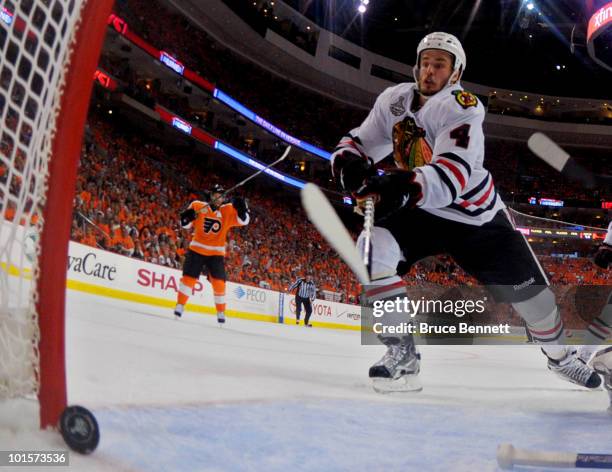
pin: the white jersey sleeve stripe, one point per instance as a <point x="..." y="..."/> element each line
<point x="477" y="189"/>
<point x="454" y="157"/>
<point x="480" y="198"/>
<point x="485" y="196"/>
<point x="461" y="209"/>
<point x="455" y="170"/>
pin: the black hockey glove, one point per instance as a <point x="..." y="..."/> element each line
<point x="241" y="206"/>
<point x="394" y="189"/>
<point x="603" y="256"/>
<point x="350" y="170"/>
<point x="187" y="216"/>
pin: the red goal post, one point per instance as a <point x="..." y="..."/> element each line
<point x="49" y="50"/>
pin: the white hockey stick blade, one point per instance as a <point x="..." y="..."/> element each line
<point x="323" y="216"/>
<point x="551" y="153"/>
<point x="547" y="150"/>
<point x="508" y="456"/>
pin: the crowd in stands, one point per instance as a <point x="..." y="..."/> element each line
<point x="129" y="194"/>
<point x="517" y="173"/>
<point x="291" y="107"/>
<point x="130" y="191"/>
<point x="228" y="128"/>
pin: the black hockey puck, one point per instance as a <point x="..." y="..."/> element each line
<point x="79" y="429"/>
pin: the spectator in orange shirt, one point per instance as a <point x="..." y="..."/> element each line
<point x="123" y="242"/>
<point x="89" y="238"/>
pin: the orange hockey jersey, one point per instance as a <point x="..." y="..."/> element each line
<point x="210" y="227"/>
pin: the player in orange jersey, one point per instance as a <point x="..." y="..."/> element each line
<point x="211" y="222"/>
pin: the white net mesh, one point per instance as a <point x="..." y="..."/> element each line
<point x="525" y="220"/>
<point x="35" y="39"/>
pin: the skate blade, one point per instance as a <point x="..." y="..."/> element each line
<point x="405" y="384"/>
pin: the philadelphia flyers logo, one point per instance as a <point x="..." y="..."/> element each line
<point x="211" y="225"/>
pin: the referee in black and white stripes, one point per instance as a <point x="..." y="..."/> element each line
<point x="304" y="295"/>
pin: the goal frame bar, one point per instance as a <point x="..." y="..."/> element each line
<point x="57" y="213"/>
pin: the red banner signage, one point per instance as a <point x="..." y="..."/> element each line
<point x="600" y="19"/>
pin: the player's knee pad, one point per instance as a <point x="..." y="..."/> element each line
<point x="187" y="284"/>
<point x="386" y="253"/>
<point x="539" y="308"/>
<point x="218" y="285"/>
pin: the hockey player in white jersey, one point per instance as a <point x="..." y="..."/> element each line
<point x="441" y="199"/>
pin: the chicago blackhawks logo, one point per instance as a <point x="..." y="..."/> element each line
<point x="410" y="149"/>
<point x="465" y="98"/>
<point x="211" y="224"/>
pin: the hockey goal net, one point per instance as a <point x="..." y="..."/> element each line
<point x="48" y="54"/>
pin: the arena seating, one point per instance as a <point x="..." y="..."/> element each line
<point x="132" y="192"/>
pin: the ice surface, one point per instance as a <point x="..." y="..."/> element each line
<point x="186" y="395"/>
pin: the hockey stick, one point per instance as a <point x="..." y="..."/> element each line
<point x="508" y="456"/>
<point x="323" y="216"/>
<point x="551" y="153"/>
<point x="240" y="184"/>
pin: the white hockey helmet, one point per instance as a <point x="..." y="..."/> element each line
<point x="446" y="42"/>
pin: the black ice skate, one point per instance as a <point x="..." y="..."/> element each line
<point x="602" y="363"/>
<point x="398" y="369"/>
<point x="575" y="370"/>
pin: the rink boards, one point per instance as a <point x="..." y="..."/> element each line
<point x="124" y="279"/>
